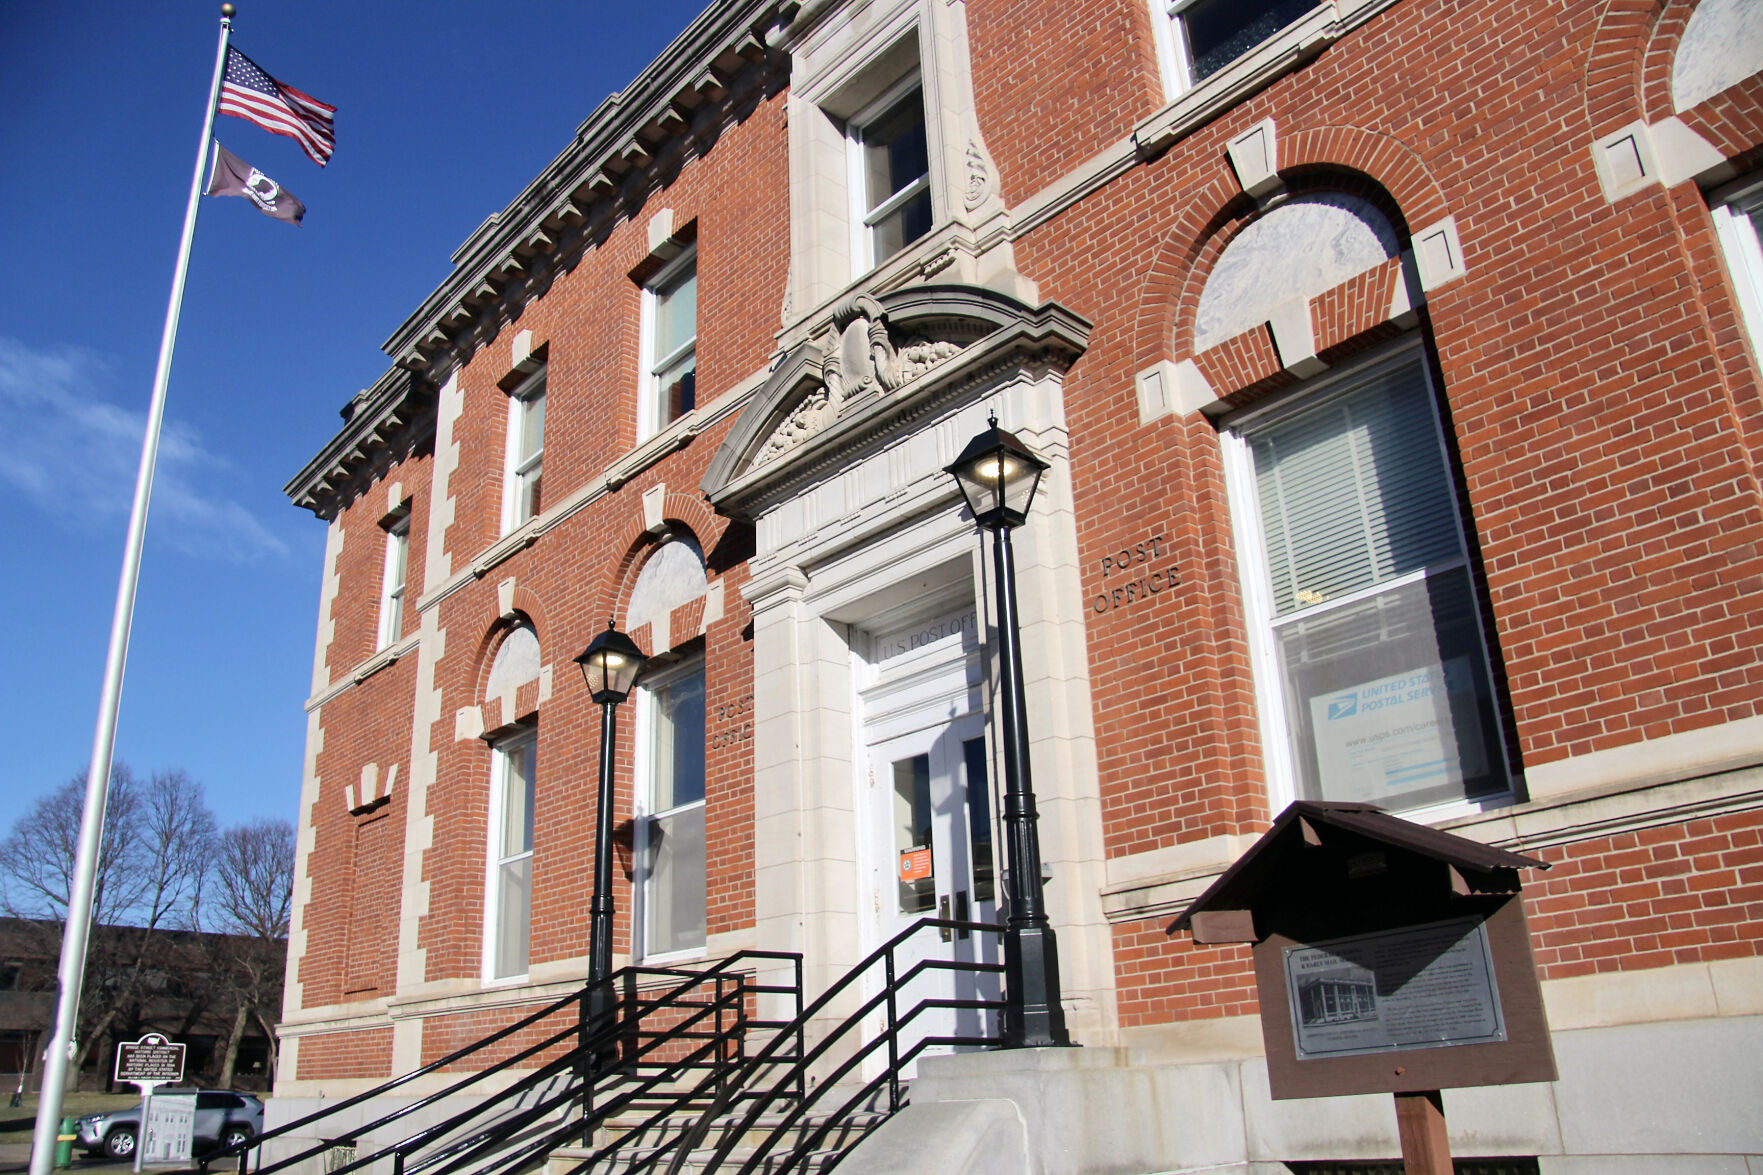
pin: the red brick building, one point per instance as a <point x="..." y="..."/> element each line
<point x="1397" y="364"/>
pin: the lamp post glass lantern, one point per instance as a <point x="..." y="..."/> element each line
<point x="609" y="665"/>
<point x="998" y="476"/>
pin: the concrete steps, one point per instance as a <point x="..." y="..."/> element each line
<point x="647" y="1142"/>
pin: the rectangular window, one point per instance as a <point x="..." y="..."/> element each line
<point x="670" y="818"/>
<point x="890" y="174"/>
<point x="508" y="910"/>
<point x="526" y="452"/>
<point x="979" y="819"/>
<point x="1203" y="36"/>
<point x="912" y="834"/>
<point x="1739" y="220"/>
<point x="1372" y="664"/>
<point x="671" y="307"/>
<point x="392" y="592"/>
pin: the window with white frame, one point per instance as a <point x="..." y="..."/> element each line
<point x="509" y="888"/>
<point x="526" y="451"/>
<point x="1372" y="666"/>
<point x="890" y="174"/>
<point x="1197" y="38"/>
<point x="1738" y="217"/>
<point x="670" y="311"/>
<point x="392" y="589"/>
<point x="670" y="814"/>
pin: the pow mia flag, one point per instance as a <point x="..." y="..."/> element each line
<point x="232" y="176"/>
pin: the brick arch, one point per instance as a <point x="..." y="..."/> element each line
<point x="1190" y="244"/>
<point x="1327" y="159"/>
<point x="1660" y="56"/>
<point x="1412" y="192"/>
<point x="1613" y="65"/>
<point x="694" y="515"/>
<point x="528" y="609"/>
<point x="1628" y="78"/>
<point x="613" y="591"/>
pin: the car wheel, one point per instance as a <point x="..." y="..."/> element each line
<point x="235" y="1136"/>
<point x="120" y="1143"/>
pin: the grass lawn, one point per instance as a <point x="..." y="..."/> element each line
<point x="17" y="1124"/>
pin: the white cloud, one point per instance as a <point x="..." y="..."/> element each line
<point x="74" y="455"/>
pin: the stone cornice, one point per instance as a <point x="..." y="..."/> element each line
<point x="710" y="75"/>
<point x="392" y="417"/>
<point x="688" y="91"/>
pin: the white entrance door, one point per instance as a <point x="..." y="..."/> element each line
<point x="932" y="856"/>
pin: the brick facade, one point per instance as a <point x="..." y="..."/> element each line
<point x="1598" y="393"/>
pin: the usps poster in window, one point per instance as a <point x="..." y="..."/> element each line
<point x="1399" y="734"/>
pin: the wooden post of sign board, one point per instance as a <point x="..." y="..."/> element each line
<point x="1420" y="1121"/>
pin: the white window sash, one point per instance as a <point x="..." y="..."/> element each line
<point x="519" y="464"/>
<point x="897" y="201"/>
<point x="495" y="862"/>
<point x="671" y="359"/>
<point x="1175" y="54"/>
<point x="646" y="815"/>
<point x="649" y="325"/>
<point x="863" y="215"/>
<point x="397" y="573"/>
<point x="1256" y="580"/>
<point x="1744" y="255"/>
<point x="1316" y="611"/>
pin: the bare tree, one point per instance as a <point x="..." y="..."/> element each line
<point x="249" y="903"/>
<point x="37" y="857"/>
<point x="153" y="860"/>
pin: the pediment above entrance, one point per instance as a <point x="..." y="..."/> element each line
<point x="880" y="363"/>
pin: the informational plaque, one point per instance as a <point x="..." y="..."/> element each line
<point x="1416" y="987"/>
<point x="170" y="1129"/>
<point x="152" y="1060"/>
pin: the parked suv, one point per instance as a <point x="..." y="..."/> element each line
<point x="223" y="1118"/>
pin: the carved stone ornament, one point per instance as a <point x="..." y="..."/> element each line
<point x="979" y="176"/>
<point x="861" y="356"/>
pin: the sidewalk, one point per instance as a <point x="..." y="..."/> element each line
<point x="16" y="1157"/>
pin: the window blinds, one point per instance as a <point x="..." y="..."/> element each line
<point x="1354" y="491"/>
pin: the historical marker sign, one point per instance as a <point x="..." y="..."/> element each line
<point x="1413" y="987"/>
<point x="152" y="1060"/>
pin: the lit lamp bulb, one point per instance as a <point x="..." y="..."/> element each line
<point x="609" y="666"/>
<point x="997" y="469"/>
<point x="997" y="475"/>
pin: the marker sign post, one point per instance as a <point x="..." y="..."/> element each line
<point x="1390" y="957"/>
<point x="167" y="1130"/>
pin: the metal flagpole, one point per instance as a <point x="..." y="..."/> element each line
<point x="79" y="902"/>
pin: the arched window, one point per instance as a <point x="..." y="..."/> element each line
<point x="514" y="775"/>
<point x="1371" y="660"/>
<point x="670" y="761"/>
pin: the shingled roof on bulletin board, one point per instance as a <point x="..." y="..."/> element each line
<point x="1361" y="835"/>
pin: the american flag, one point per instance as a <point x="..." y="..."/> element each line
<point x="251" y="94"/>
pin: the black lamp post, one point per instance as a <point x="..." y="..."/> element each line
<point x="609" y="665"/>
<point x="998" y="475"/>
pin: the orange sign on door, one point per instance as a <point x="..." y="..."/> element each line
<point x="915" y="864"/>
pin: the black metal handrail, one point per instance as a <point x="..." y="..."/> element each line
<point x="490" y="1140"/>
<point x="626" y="1061"/>
<point x="793" y="1077"/>
<point x="586" y="1060"/>
<point x="714" y="1043"/>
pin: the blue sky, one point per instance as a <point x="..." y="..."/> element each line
<point x="446" y="109"/>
